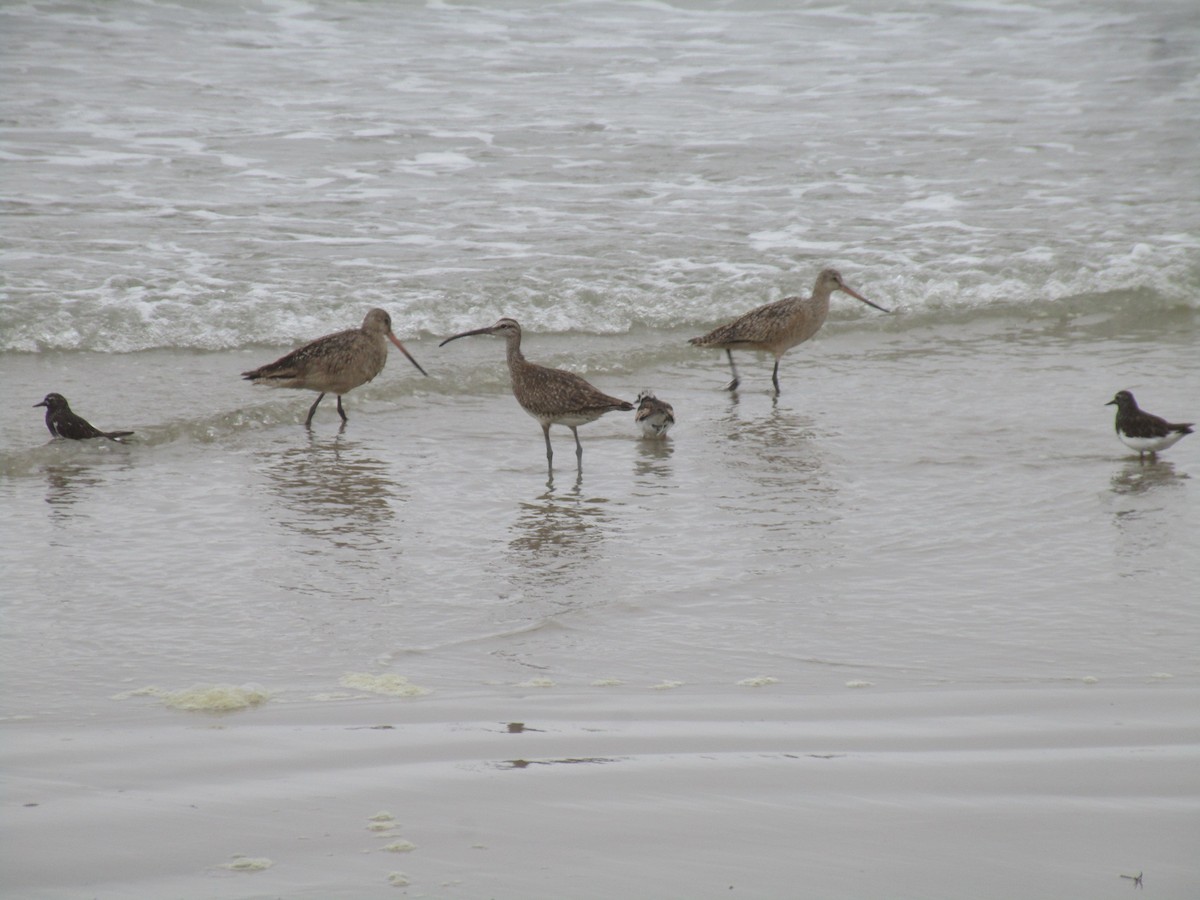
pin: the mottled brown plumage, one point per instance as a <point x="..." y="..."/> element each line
<point x="551" y="396"/>
<point x="778" y="327"/>
<point x="336" y="363"/>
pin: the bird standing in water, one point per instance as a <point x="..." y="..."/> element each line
<point x="1142" y="431"/>
<point x="777" y="327"/>
<point x="655" y="417"/>
<point x="552" y="396"/>
<point x="65" y="424"/>
<point x="336" y="363"/>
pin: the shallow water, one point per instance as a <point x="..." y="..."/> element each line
<point x="929" y="558"/>
<point x="897" y="514"/>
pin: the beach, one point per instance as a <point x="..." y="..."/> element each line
<point x="796" y="647"/>
<point x="920" y="626"/>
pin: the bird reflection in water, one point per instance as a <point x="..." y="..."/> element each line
<point x="653" y="459"/>
<point x="557" y="533"/>
<point x="1144" y="494"/>
<point x="67" y="484"/>
<point x="780" y="493"/>
<point x="783" y="441"/>
<point x="1139" y="476"/>
<point x="332" y="490"/>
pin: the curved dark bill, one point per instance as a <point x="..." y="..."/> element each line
<point x="465" y="334"/>
<point x="395" y="340"/>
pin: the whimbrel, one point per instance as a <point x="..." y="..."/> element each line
<point x="336" y="363"/>
<point x="65" y="424"/>
<point x="551" y="396"/>
<point x="1142" y="431"/>
<point x="778" y="327"/>
<point x="655" y="417"/>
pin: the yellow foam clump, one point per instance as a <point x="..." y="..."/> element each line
<point x="248" y="864"/>
<point x="388" y="683"/>
<point x="758" y="681"/>
<point x="206" y="697"/>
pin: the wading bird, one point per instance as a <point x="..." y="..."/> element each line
<point x="1142" y="431"/>
<point x="336" y="363"/>
<point x="778" y="327"/>
<point x="65" y="424"/>
<point x="551" y="396"/>
<point x="655" y="417"/>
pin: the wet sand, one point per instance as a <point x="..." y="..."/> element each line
<point x="766" y="791"/>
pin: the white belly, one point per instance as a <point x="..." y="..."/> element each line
<point x="1152" y="444"/>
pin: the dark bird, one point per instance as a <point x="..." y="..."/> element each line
<point x="778" y="327"/>
<point x="1142" y="431"/>
<point x="336" y="363"/>
<point x="65" y="424"/>
<point x="655" y="417"/>
<point x="551" y="396"/>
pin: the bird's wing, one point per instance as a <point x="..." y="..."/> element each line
<point x="756" y="326"/>
<point x="76" y="428"/>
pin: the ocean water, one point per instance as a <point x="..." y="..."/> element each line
<point x="935" y="502"/>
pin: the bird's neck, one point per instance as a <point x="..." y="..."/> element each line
<point x="516" y="358"/>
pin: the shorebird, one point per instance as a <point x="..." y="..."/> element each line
<point x="65" y="424"/>
<point x="551" y="396"/>
<point x="1142" y="431"/>
<point x="336" y="363"/>
<point x="778" y="327"/>
<point x="655" y="417"/>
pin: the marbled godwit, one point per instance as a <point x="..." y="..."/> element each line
<point x="655" y="417"/>
<point x="778" y="327"/>
<point x="551" y="396"/>
<point x="336" y="363"/>
<point x="65" y="424"/>
<point x="1142" y="431"/>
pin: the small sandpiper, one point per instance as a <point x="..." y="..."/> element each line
<point x="65" y="424"/>
<point x="1142" y="431"/>
<point x="655" y="417"/>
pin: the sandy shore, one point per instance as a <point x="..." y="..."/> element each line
<point x="618" y="791"/>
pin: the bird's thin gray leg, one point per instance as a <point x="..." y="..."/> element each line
<point x="549" y="451"/>
<point x="578" y="447"/>
<point x="775" y="377"/>
<point x="733" y="385"/>
<point x="312" y="409"/>
<point x="342" y="412"/>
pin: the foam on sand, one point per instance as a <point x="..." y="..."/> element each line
<point x="206" y="697"/>
<point x="247" y="863"/>
<point x="389" y="683"/>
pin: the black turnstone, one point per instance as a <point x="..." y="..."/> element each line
<point x="1142" y="431"/>
<point x="65" y="424"/>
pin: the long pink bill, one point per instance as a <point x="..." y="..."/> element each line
<point x="857" y="296"/>
<point x="395" y="340"/>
